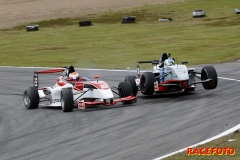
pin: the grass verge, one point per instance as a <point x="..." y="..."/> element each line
<point x="110" y="44"/>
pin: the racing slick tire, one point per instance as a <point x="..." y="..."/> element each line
<point x="125" y="90"/>
<point x="31" y="97"/>
<point x="67" y="100"/>
<point x="132" y="81"/>
<point x="147" y="83"/>
<point x="209" y="72"/>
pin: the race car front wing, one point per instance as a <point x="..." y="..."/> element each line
<point x="84" y="104"/>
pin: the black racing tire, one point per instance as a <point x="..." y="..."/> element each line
<point x="132" y="81"/>
<point x="209" y="72"/>
<point x="31" y="97"/>
<point x="67" y="100"/>
<point x="125" y="90"/>
<point x="147" y="83"/>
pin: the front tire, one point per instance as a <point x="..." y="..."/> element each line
<point x="125" y="90"/>
<point x="209" y="72"/>
<point x="31" y="97"/>
<point x="132" y="81"/>
<point x="147" y="83"/>
<point x="67" y="100"/>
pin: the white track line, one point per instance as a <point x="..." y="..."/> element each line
<point x="203" y="142"/>
<point x="229" y="79"/>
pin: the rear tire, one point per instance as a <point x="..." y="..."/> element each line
<point x="67" y="100"/>
<point x="31" y="97"/>
<point x="147" y="83"/>
<point x="125" y="90"/>
<point x="209" y="72"/>
<point x="132" y="81"/>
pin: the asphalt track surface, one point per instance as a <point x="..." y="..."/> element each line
<point x="153" y="127"/>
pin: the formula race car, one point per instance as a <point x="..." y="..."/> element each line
<point x="72" y="90"/>
<point x="168" y="77"/>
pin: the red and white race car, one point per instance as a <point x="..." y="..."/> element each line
<point x="71" y="89"/>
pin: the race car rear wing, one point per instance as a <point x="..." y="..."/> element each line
<point x="154" y="62"/>
<point x="35" y="76"/>
<point x="51" y="71"/>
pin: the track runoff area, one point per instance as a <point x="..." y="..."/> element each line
<point x="193" y="149"/>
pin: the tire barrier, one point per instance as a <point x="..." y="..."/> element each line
<point x="164" y="19"/>
<point x="32" y="27"/>
<point x="129" y="19"/>
<point x="237" y="10"/>
<point x="85" y="23"/>
<point x="199" y="13"/>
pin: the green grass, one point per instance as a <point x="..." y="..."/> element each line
<point x="110" y="44"/>
<point x="229" y="141"/>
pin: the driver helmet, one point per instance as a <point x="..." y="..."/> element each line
<point x="74" y="76"/>
<point x="168" y="62"/>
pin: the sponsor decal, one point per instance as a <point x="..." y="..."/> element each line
<point x="56" y="100"/>
<point x="137" y="81"/>
<point x="211" y="151"/>
<point x="81" y="104"/>
<point x="163" y="75"/>
<point x="104" y="86"/>
<point x="100" y="85"/>
<point x="156" y="86"/>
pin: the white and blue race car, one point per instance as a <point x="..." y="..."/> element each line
<point x="168" y="77"/>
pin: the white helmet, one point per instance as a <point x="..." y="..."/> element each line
<point x="74" y="76"/>
<point x="168" y="62"/>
